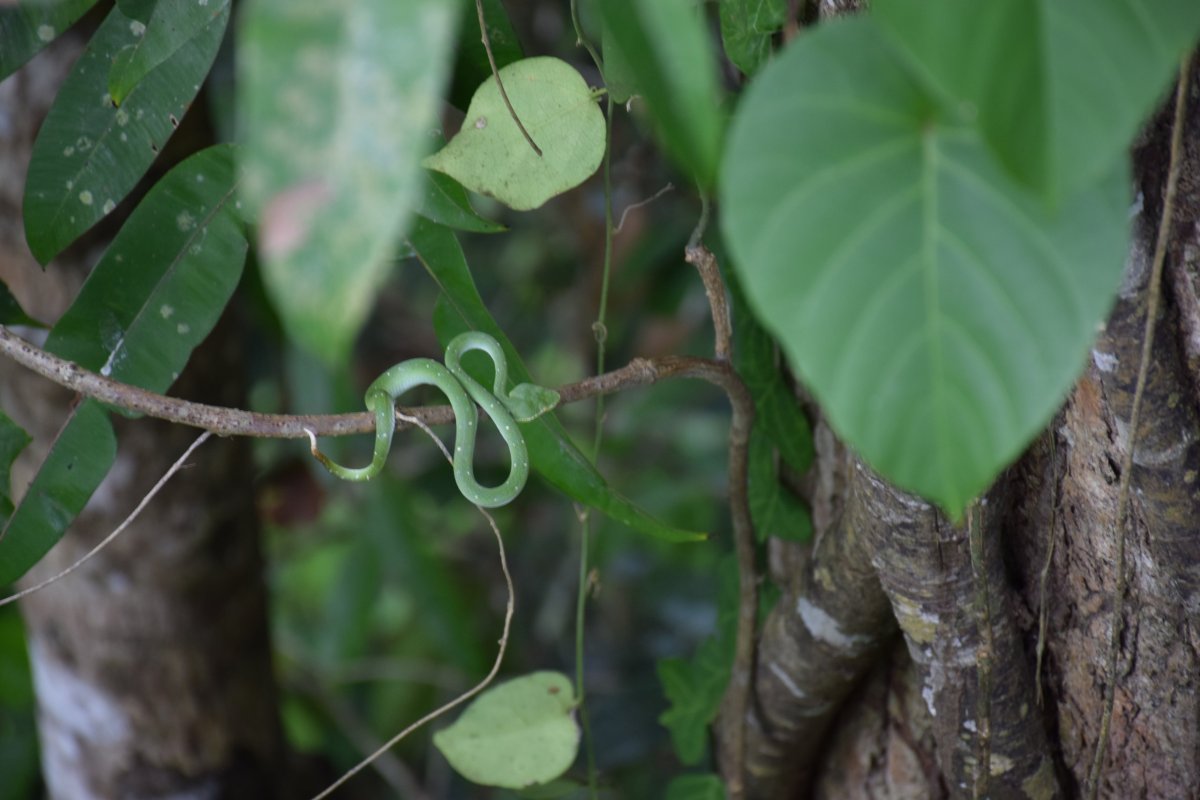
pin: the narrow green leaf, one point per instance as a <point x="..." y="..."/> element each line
<point x="172" y="25"/>
<point x="696" y="787"/>
<point x="89" y="153"/>
<point x="12" y="441"/>
<point x="445" y="202"/>
<point x="154" y="296"/>
<point x="666" y="45"/>
<point x="491" y="156"/>
<point x="517" y="734"/>
<point x="551" y="451"/>
<point x="1058" y="88"/>
<point x="471" y="67"/>
<point x="33" y="24"/>
<point x="164" y="280"/>
<point x="746" y="30"/>
<point x="938" y="311"/>
<point x="141" y="10"/>
<point x="79" y="459"/>
<point x="336" y="100"/>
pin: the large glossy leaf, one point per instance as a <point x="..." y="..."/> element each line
<point x="90" y="153"/>
<point x="445" y="201"/>
<point x="551" y="451"/>
<point x="154" y="296"/>
<point x="938" y="312"/>
<point x="517" y="734"/>
<point x="667" y="47"/>
<point x="1058" y="87"/>
<point x="491" y="155"/>
<point x="31" y="25"/>
<point x="172" y="24"/>
<point x="336" y="101"/>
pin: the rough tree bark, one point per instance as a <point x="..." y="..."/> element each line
<point x="152" y="663"/>
<point x="841" y="712"/>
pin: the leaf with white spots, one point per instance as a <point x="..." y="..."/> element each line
<point x="89" y="153"/>
<point x="336" y="101"/>
<point x="491" y="156"/>
<point x="172" y="24"/>
<point x="154" y="296"/>
<point x="29" y="25"/>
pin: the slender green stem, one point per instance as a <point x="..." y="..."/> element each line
<point x="600" y="331"/>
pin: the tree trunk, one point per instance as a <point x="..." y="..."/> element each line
<point x="151" y="663"/>
<point x="843" y="710"/>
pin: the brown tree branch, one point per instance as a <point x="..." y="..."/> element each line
<point x="237" y="422"/>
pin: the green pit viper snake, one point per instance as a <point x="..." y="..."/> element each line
<point x="524" y="403"/>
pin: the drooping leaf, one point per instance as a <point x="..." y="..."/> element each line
<point x="666" y="44"/>
<point x="33" y="24"/>
<point x="491" y="156"/>
<point x="471" y="67"/>
<point x="937" y="310"/>
<point x="12" y="441"/>
<point x="1058" y="88"/>
<point x="336" y="100"/>
<point x="89" y="153"/>
<point x="154" y="296"/>
<point x="517" y="734"/>
<point x="696" y="787"/>
<point x="78" y="460"/>
<point x="445" y="202"/>
<point x="172" y="24"/>
<point x="694" y="686"/>
<point x="746" y="30"/>
<point x="551" y="451"/>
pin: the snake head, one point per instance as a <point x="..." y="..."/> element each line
<point x="528" y="401"/>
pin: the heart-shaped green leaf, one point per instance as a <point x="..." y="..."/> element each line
<point x="490" y="154"/>
<point x="936" y="309"/>
<point x="517" y="734"/>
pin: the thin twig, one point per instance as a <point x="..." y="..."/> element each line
<point x="639" y="204"/>
<point x="710" y="274"/>
<point x="487" y="46"/>
<point x="741" y="423"/>
<point x="479" y="687"/>
<point x="1152" y="302"/>
<point x="178" y="465"/>
<point x="237" y="422"/>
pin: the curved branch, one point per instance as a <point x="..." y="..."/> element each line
<point x="237" y="422"/>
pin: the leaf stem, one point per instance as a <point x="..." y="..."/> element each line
<point x="1154" y="293"/>
<point x="487" y="46"/>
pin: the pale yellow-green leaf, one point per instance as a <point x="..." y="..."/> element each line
<point x="518" y="734"/>
<point x="558" y="109"/>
